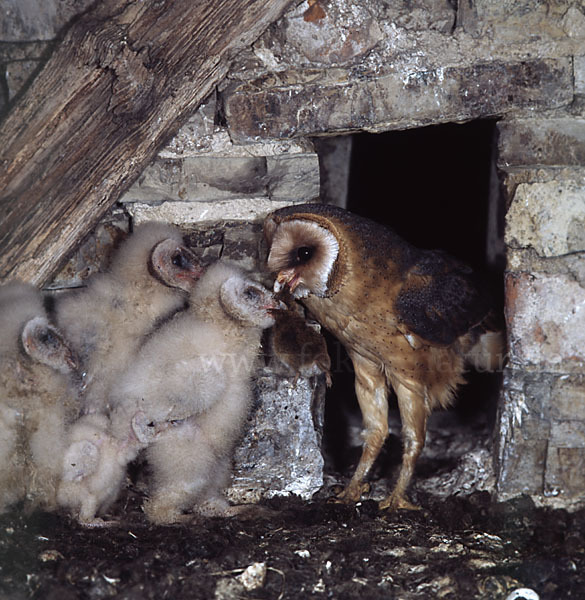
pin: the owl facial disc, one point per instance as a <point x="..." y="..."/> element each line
<point x="303" y="254"/>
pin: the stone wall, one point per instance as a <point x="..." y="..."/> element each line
<point x="333" y="67"/>
<point x="541" y="442"/>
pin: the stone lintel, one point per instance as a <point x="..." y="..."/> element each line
<point x="397" y="100"/>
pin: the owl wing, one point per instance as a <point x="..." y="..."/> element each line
<point x="440" y="298"/>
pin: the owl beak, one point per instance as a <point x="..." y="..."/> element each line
<point x="272" y="303"/>
<point x="277" y="306"/>
<point x="71" y="360"/>
<point x="193" y="268"/>
<point x="288" y="277"/>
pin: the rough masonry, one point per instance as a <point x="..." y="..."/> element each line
<point x="333" y="67"/>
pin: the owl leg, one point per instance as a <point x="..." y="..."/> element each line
<point x="372" y="395"/>
<point x="414" y="414"/>
<point x="87" y="512"/>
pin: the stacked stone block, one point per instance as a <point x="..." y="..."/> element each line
<point x="541" y="434"/>
<point x="203" y="177"/>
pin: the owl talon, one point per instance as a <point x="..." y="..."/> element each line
<point x="98" y="523"/>
<point x="351" y="494"/>
<point x="397" y="502"/>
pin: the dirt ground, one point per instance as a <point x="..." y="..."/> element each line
<point x="454" y="548"/>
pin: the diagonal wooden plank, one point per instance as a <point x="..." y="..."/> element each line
<point x="124" y="79"/>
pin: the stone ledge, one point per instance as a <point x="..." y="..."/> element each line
<point x="397" y="100"/>
<point x="219" y="211"/>
<point x="280" y="453"/>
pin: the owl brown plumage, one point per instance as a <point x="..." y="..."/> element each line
<point x="410" y="319"/>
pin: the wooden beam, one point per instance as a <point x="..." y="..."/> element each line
<point x="122" y="82"/>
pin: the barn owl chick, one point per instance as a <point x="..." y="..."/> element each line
<point x="37" y="398"/>
<point x="194" y="372"/>
<point x="149" y="279"/>
<point x="410" y="319"/>
<point x="94" y="464"/>
<point x="12" y="458"/>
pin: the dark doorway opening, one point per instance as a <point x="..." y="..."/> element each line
<point x="431" y="185"/>
<point x="436" y="187"/>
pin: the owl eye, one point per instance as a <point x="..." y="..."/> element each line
<point x="252" y="293"/>
<point x="304" y="253"/>
<point x="47" y="338"/>
<point x="179" y="260"/>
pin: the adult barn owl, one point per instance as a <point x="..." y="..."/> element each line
<point x="410" y="319"/>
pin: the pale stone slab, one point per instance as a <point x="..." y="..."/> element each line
<point x="517" y="19"/>
<point x="293" y="177"/>
<point x="201" y="137"/>
<point x="549" y="217"/>
<point x="200" y="179"/>
<point x="565" y="473"/>
<point x="568" y="398"/>
<point x="579" y="68"/>
<point x="280" y="453"/>
<point x="568" y="434"/>
<point x="546" y="321"/>
<point x="185" y="213"/>
<point x="546" y="142"/>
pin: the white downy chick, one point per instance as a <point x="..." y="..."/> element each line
<point x="94" y="465"/>
<point x="37" y="398"/>
<point x="12" y="458"/>
<point x="149" y="280"/>
<point x="194" y="372"/>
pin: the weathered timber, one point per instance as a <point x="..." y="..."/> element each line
<point x="124" y="79"/>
